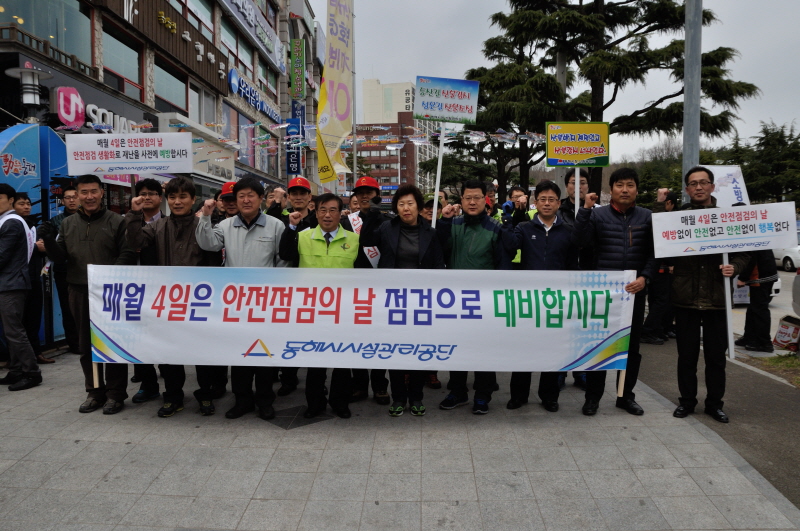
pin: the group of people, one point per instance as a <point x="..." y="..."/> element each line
<point x="248" y="226"/>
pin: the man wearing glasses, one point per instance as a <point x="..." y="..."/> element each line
<point x="698" y="293"/>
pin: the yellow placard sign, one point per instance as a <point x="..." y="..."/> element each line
<point x="577" y="144"/>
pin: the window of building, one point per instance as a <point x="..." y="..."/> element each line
<point x="246" y="58"/>
<point x="267" y="78"/>
<point x="240" y="52"/>
<point x="247" y="151"/>
<point x="199" y="13"/>
<point x="66" y="24"/>
<point x="230" y="122"/>
<point x="122" y="63"/>
<point x="272" y="15"/>
<point x="170" y="87"/>
<point x="202" y="105"/>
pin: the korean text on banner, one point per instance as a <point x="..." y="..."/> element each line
<point x="298" y="69"/>
<point x="422" y="319"/>
<point x="577" y="144"/>
<point x="446" y="100"/>
<point x="729" y="185"/>
<point x="140" y="153"/>
<point x="724" y="230"/>
<point x="335" y="110"/>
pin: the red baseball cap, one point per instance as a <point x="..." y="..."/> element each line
<point x="367" y="182"/>
<point x="299" y="182"/>
<point x="227" y="190"/>
<point x="488" y="201"/>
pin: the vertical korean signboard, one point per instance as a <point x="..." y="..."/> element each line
<point x="335" y="111"/>
<point x="298" y="69"/>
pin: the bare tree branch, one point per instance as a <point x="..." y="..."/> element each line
<point x="655" y="104"/>
<point x="613" y="97"/>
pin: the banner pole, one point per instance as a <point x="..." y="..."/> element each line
<point x="96" y="375"/>
<point x="729" y="310"/>
<point x="438" y="174"/>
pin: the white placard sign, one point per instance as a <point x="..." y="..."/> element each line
<point x="724" y="230"/>
<point x="139" y="153"/>
<point x="729" y="187"/>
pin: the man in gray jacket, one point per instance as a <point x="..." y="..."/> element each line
<point x="16" y="246"/>
<point x="250" y="239"/>
<point x="93" y="235"/>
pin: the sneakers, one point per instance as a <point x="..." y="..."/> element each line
<point x="452" y="401"/>
<point x="143" y="396"/>
<point x="382" y="398"/>
<point x="207" y="408"/>
<point x="753" y="347"/>
<point x="112" y="407"/>
<point x="91" y="404"/>
<point x="480" y="407"/>
<point x="396" y="409"/>
<point x="417" y="409"/>
<point x="169" y="409"/>
<point x="433" y="382"/>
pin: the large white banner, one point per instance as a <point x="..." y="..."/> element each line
<point x="394" y="319"/>
<point x="723" y="230"/>
<point x="139" y="153"/>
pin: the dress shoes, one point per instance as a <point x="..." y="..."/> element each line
<point x="682" y="412"/>
<point x="42" y="360"/>
<point x="550" y="405"/>
<point x="742" y="341"/>
<point x="760" y="347"/>
<point x="11" y="378"/>
<point x="341" y="411"/>
<point x="590" y="407"/>
<point x="358" y="396"/>
<point x="630" y="405"/>
<point x="29" y="379"/>
<point x="238" y="411"/>
<point x="314" y="410"/>
<point x="718" y="415"/>
<point x="266" y="412"/>
<point x="515" y="404"/>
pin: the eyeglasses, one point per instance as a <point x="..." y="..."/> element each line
<point x="695" y="184"/>
<point x="324" y="211"/>
<point x="547" y="200"/>
<point x="147" y="194"/>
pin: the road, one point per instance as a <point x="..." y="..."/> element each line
<point x="764" y="413"/>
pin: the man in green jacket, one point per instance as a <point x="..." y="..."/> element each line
<point x="471" y="241"/>
<point x="698" y="294"/>
<point x="328" y="245"/>
<point x="94" y="235"/>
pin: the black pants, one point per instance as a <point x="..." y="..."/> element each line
<point x="483" y="385"/>
<point x="407" y="393"/>
<point x="596" y="380"/>
<point x="113" y="377"/>
<point x="174" y="379"/>
<point x="211" y="379"/>
<point x="242" y="386"/>
<point x="340" y="390"/>
<point x="70" y="330"/>
<point x="548" y="386"/>
<point x="362" y="378"/>
<point x="757" y="321"/>
<point x="688" y="323"/>
<point x="658" y="305"/>
<point x="32" y="316"/>
<point x="148" y="376"/>
<point x="22" y="359"/>
<point x="288" y="376"/>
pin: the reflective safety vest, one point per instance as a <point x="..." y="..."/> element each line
<point x="315" y="252"/>
<point x="518" y="258"/>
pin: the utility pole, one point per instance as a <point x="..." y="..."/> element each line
<point x="691" y="82"/>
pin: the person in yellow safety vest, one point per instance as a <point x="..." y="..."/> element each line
<point x="328" y="245"/>
<point x="516" y="205"/>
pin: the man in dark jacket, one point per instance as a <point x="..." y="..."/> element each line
<point x="622" y="234"/>
<point x="658" y="324"/>
<point x="698" y="293"/>
<point x="69" y="199"/>
<point x="94" y="235"/>
<point x="16" y="247"/>
<point x="545" y="243"/>
<point x="172" y="241"/>
<point x="760" y="274"/>
<point x="471" y="241"/>
<point x="368" y="219"/>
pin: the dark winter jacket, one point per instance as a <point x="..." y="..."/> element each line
<point x="622" y="240"/>
<point x="542" y="249"/>
<point x="371" y="222"/>
<point x="52" y="227"/>
<point x="14" y="272"/>
<point x="586" y="259"/>
<point x="387" y="239"/>
<point x="697" y="281"/>
<point x="98" y="239"/>
<point x="171" y="239"/>
<point x="473" y="242"/>
<point x="762" y="263"/>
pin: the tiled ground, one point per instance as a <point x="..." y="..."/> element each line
<point x="523" y="469"/>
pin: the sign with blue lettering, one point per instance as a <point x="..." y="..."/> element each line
<point x="293" y="164"/>
<point x="239" y="86"/>
<point x="389" y="187"/>
<point x="299" y="111"/>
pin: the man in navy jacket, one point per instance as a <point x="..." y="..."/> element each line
<point x="622" y="234"/>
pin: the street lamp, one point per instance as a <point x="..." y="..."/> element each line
<point x="29" y="88"/>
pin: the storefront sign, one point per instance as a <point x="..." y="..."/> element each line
<point x="293" y="163"/>
<point x="298" y="70"/>
<point x="577" y="144"/>
<point x="722" y="230"/>
<point x="239" y="86"/>
<point x="422" y="320"/>
<point x="446" y="100"/>
<point x="72" y="112"/>
<point x="252" y="21"/>
<point x="142" y="153"/>
<point x="299" y="111"/>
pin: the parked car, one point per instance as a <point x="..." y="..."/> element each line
<point x="788" y="259"/>
<point x="742" y="295"/>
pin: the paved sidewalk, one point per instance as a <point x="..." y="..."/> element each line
<point x="523" y="469"/>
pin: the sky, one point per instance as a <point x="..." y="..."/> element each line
<point x="397" y="40"/>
